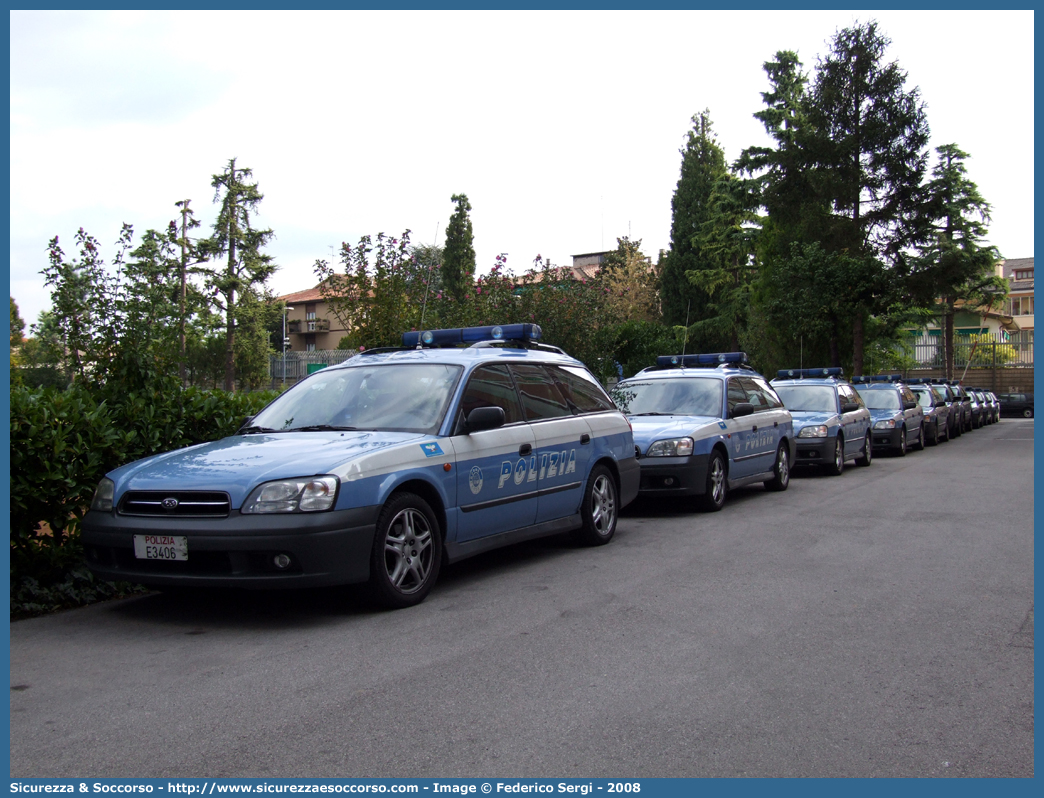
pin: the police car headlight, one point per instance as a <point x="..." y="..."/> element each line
<point x="102" y="501"/>
<point x="888" y="423"/>
<point x="676" y="447"/>
<point x="814" y="431"/>
<point x="304" y="495"/>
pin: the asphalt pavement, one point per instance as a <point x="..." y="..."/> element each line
<point x="876" y="624"/>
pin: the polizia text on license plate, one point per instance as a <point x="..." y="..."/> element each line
<point x="161" y="547"/>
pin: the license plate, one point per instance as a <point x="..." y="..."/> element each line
<point x="161" y="547"/>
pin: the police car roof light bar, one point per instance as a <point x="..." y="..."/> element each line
<point x="706" y="359"/>
<point x="833" y="371"/>
<point x="458" y="335"/>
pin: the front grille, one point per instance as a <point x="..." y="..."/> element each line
<point x="175" y="503"/>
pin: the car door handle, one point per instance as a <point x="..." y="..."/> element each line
<point x="524" y="449"/>
<point x="775" y="423"/>
<point x="754" y="428"/>
<point x="585" y="438"/>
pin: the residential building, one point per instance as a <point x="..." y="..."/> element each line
<point x="1019" y="304"/>
<point x="310" y="324"/>
<point x="1009" y="324"/>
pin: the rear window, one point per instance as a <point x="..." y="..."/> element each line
<point x="581" y="390"/>
<point x="541" y="398"/>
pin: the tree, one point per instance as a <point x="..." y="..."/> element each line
<point x="727" y="241"/>
<point x="17" y="328"/>
<point x="703" y="164"/>
<point x="629" y="282"/>
<point x="956" y="266"/>
<point x="380" y="292"/>
<point x="868" y="154"/>
<point x="17" y="325"/>
<point x="189" y="252"/>
<point x="458" y="258"/>
<point x="82" y="304"/>
<point x="237" y="241"/>
<point x="794" y="212"/>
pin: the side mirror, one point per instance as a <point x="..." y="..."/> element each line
<point x="908" y="405"/>
<point x="741" y="409"/>
<point x="849" y="407"/>
<point x="482" y="418"/>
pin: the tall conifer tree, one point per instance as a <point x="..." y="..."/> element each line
<point x="702" y="166"/>
<point x="869" y="159"/>
<point x="235" y="239"/>
<point x="957" y="264"/>
<point x="458" y="256"/>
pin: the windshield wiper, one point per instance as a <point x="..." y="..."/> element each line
<point x="653" y="413"/>
<point x="251" y="430"/>
<point x="320" y="428"/>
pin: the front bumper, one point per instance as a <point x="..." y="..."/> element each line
<point x="814" y="451"/>
<point x="324" y="548"/>
<point x="887" y="438"/>
<point x="674" y="476"/>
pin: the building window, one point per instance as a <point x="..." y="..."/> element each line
<point x="1020" y="306"/>
<point x="1024" y="274"/>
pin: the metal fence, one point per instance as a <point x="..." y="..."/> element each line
<point x="299" y="365"/>
<point x="980" y="351"/>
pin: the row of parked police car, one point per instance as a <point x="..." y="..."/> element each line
<point x="379" y="470"/>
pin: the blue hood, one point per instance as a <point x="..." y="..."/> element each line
<point x="648" y="429"/>
<point x="878" y="414"/>
<point x="807" y="418"/>
<point x="239" y="463"/>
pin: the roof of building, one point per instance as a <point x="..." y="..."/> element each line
<point x="308" y="295"/>
<point x="1010" y="266"/>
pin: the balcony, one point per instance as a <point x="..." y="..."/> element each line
<point x="308" y="325"/>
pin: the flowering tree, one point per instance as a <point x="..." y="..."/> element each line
<point x="379" y="293"/>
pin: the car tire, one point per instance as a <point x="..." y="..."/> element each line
<point x="919" y="443"/>
<point x="599" y="509"/>
<point x="406" y="553"/>
<point x="901" y="451"/>
<point x="946" y="437"/>
<point x="781" y="470"/>
<point x="713" y="498"/>
<point x="867" y="456"/>
<point x="933" y="440"/>
<point x="1027" y="413"/>
<point x="837" y="466"/>
<point x="958" y="428"/>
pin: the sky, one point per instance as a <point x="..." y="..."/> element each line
<point x="563" y="128"/>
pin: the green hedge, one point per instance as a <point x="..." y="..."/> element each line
<point x="63" y="442"/>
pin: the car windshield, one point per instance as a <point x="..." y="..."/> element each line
<point x="809" y="398"/>
<point x="880" y="400"/>
<point x="408" y="397"/>
<point x="924" y="398"/>
<point x="691" y="396"/>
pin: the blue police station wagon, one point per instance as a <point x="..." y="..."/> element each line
<point x="898" y="418"/>
<point x="705" y="424"/>
<point x="376" y="470"/>
<point x="831" y="421"/>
